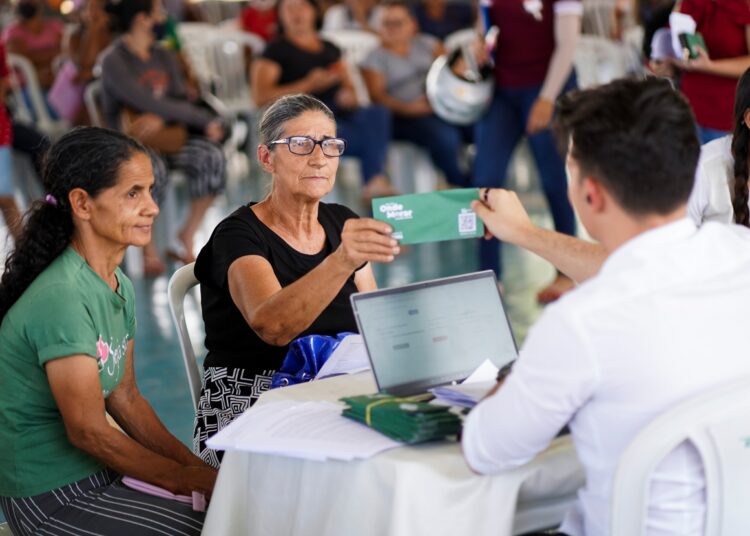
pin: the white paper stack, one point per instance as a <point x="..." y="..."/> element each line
<point x="465" y="395"/>
<point x="309" y="430"/>
<point x="472" y="390"/>
<point x="349" y="357"/>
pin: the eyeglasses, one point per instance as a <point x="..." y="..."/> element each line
<point x="304" y="145"/>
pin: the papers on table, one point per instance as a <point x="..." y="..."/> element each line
<point x="309" y="430"/>
<point x="349" y="357"/>
<point x="473" y="388"/>
<point x="466" y="395"/>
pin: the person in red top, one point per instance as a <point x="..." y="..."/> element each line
<point x="8" y="205"/>
<point x="259" y="17"/>
<point x="709" y="81"/>
<point x="533" y="65"/>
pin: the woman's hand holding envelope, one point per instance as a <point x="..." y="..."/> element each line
<point x="366" y="240"/>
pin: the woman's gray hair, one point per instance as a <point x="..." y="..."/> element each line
<point x="285" y="109"/>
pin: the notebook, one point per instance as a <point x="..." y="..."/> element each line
<point x="433" y="333"/>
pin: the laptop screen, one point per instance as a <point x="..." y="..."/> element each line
<point x="427" y="334"/>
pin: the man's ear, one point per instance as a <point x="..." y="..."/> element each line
<point x="265" y="157"/>
<point x="595" y="194"/>
<point x="80" y="203"/>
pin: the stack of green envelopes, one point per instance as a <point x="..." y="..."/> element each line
<point x="403" y="419"/>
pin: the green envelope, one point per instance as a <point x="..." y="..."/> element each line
<point x="430" y="217"/>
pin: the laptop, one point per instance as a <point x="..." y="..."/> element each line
<point x="433" y="333"/>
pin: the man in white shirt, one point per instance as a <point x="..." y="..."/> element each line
<point x="660" y="322"/>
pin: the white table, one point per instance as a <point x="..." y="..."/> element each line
<point x="409" y="491"/>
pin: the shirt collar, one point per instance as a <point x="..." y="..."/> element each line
<point x="653" y="239"/>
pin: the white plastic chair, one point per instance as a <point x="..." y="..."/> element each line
<point x="179" y="285"/>
<point x="718" y="424"/>
<point x="92" y="100"/>
<point x="355" y="45"/>
<point x="38" y="115"/>
<point x="229" y="77"/>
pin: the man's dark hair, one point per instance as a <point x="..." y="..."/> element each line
<point x="637" y="137"/>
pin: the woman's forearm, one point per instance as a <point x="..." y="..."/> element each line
<point x="128" y="457"/>
<point x="729" y="67"/>
<point x="137" y="418"/>
<point x="292" y="309"/>
<point x="567" y="32"/>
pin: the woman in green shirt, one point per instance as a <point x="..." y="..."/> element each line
<point x="66" y="357"/>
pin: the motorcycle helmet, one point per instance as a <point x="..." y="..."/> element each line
<point x="455" y="99"/>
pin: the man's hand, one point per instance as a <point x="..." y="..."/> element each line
<point x="503" y="215"/>
<point x="540" y="116"/>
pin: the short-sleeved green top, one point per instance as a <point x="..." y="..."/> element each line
<point x="67" y="310"/>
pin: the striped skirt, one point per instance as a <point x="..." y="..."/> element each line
<point x="99" y="505"/>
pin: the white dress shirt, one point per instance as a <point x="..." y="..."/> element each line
<point x="665" y="319"/>
<point x="713" y="191"/>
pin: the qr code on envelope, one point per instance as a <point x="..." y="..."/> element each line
<point x="467" y="223"/>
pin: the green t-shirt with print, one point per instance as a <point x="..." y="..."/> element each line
<point x="67" y="310"/>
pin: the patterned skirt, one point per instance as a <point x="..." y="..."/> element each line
<point x="227" y="392"/>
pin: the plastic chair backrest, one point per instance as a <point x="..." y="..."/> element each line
<point x="38" y="113"/>
<point x="228" y="66"/>
<point x="195" y="38"/>
<point x="92" y="100"/>
<point x="717" y="422"/>
<point x="179" y="284"/>
<point x="355" y="45"/>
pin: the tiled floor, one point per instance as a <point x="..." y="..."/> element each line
<point x="159" y="368"/>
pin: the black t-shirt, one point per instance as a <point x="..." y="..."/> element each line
<point x="229" y="339"/>
<point x="296" y="62"/>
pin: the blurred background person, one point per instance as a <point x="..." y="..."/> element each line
<point x="710" y="80"/>
<point x="395" y="75"/>
<point x="38" y="38"/>
<point x="533" y="63"/>
<point x="144" y="94"/>
<point x="92" y="36"/>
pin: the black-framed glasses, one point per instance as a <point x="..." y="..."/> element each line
<point x="304" y="145"/>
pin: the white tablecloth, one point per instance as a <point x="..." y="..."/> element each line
<point x="408" y="491"/>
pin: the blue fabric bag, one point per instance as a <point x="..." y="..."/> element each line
<point x="305" y="357"/>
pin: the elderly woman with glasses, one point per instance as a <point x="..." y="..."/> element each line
<point x="283" y="267"/>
